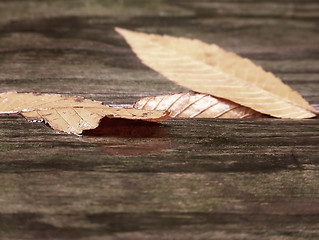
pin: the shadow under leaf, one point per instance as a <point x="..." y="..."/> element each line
<point x="124" y="137"/>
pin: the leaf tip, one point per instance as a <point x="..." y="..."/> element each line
<point x="315" y="111"/>
<point x="120" y="30"/>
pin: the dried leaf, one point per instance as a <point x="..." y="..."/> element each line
<point x="196" y="105"/>
<point x="69" y="114"/>
<point x="209" y="69"/>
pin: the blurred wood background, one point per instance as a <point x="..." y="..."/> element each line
<point x="196" y="179"/>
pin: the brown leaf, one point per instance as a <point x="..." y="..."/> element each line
<point x="209" y="69"/>
<point x="69" y="114"/>
<point x="196" y="105"/>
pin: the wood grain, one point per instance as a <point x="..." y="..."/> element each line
<point x="193" y="179"/>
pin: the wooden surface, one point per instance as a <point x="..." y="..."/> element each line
<point x="191" y="179"/>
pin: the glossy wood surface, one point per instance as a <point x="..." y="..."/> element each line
<point x="186" y="179"/>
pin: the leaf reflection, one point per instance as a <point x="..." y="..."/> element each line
<point x="124" y="137"/>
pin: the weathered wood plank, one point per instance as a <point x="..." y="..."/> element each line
<point x="198" y="179"/>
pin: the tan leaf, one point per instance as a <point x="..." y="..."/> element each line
<point x="209" y="69"/>
<point x="196" y="105"/>
<point x="69" y="114"/>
